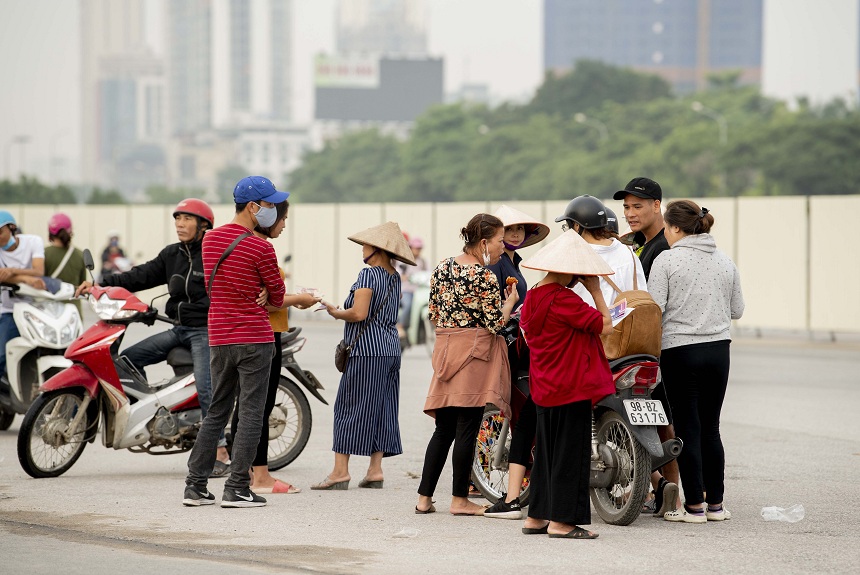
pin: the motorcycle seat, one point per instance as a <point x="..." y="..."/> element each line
<point x="180" y="357"/>
<point x="290" y="335"/>
<point x="616" y="364"/>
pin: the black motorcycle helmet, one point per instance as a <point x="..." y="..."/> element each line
<point x="611" y="221"/>
<point x="587" y="211"/>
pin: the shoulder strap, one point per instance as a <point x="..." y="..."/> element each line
<point x="223" y="257"/>
<point x="635" y="282"/>
<point x="63" y="262"/>
<point x="373" y="317"/>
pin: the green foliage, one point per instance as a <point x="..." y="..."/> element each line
<point x="168" y="196"/>
<point x="538" y="151"/>
<point x="227" y="179"/>
<point x="100" y="196"/>
<point x="31" y="191"/>
<point x="591" y="85"/>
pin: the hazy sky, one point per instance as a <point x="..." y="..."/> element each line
<point x="497" y="42"/>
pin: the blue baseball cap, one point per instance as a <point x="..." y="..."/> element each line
<point x="6" y="218"/>
<point x="257" y="188"/>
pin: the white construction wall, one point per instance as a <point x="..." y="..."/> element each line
<point x="798" y="264"/>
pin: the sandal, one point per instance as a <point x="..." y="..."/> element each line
<point x="221" y="469"/>
<point x="329" y="485"/>
<point x="427" y="511"/>
<point x="575" y="533"/>
<point x="278" y="487"/>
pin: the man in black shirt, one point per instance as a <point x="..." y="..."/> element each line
<point x="642" y="209"/>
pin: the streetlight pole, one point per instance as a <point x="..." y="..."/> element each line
<point x="601" y="127"/>
<point x="700" y="108"/>
<point x="22" y="140"/>
<point x="723" y="125"/>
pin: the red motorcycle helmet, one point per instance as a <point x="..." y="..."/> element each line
<point x="195" y="207"/>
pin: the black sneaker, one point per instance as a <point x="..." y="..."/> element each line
<point x="241" y="498"/>
<point x="194" y="496"/>
<point x="505" y="510"/>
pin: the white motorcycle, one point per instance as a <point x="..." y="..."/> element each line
<point x="48" y="324"/>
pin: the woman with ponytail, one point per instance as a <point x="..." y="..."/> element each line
<point x="699" y="290"/>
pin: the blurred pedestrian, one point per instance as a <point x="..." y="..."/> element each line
<point x="63" y="261"/>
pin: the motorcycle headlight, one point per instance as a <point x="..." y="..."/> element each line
<point x="107" y="308"/>
<point x="71" y="330"/>
<point x="43" y="330"/>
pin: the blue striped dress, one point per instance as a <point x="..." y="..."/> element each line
<point x="368" y="398"/>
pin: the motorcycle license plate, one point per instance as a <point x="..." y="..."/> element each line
<point x="645" y="412"/>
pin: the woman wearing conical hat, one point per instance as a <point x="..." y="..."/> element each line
<point x="521" y="231"/>
<point x="365" y="411"/>
<point x="568" y="373"/>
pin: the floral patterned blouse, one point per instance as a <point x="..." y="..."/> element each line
<point x="465" y="296"/>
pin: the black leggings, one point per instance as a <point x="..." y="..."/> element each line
<point x="696" y="377"/>
<point x="457" y="425"/>
<point x="262" y="456"/>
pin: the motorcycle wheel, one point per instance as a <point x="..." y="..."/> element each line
<point x="43" y="449"/>
<point x="620" y="503"/>
<point x="6" y="418"/>
<point x="489" y="480"/>
<point x="289" y="424"/>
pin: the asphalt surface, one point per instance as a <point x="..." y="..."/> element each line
<point x="791" y="428"/>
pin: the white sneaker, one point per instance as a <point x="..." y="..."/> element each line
<point x="681" y="515"/>
<point x="721" y="515"/>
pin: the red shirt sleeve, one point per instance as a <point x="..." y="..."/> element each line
<point x="271" y="276"/>
<point x="570" y="309"/>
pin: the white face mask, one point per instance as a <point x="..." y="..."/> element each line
<point x="265" y="216"/>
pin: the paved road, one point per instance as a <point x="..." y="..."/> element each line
<point x="790" y="427"/>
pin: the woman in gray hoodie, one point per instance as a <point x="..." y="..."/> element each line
<point x="699" y="289"/>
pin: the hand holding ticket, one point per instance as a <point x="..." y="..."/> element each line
<point x="325" y="305"/>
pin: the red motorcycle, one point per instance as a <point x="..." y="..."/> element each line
<point x="141" y="416"/>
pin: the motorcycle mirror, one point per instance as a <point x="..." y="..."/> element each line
<point x="152" y="303"/>
<point x="89" y="264"/>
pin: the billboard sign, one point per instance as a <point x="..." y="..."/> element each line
<point x="346" y="71"/>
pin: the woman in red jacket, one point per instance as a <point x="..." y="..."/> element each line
<point x="568" y="373"/>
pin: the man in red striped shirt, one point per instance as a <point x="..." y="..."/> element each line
<point x="241" y="341"/>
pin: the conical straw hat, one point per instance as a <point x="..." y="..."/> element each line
<point x="535" y="231"/>
<point x="387" y="237"/>
<point x="568" y="254"/>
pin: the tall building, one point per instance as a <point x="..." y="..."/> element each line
<point x="110" y="31"/>
<point x="683" y="42"/>
<point x="230" y="63"/>
<point x="388" y="27"/>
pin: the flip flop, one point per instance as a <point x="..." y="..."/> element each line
<point x="575" y="533"/>
<point x="279" y="487"/>
<point x="427" y="511"/>
<point x="536" y="530"/>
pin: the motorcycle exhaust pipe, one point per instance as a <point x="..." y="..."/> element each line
<point x="671" y="450"/>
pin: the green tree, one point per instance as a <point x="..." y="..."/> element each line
<point x="164" y="195"/>
<point x="591" y="84"/>
<point x="29" y="190"/>
<point x="362" y="166"/>
<point x="227" y="179"/>
<point x="100" y="196"/>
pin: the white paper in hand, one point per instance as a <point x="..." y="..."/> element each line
<point x="619" y="311"/>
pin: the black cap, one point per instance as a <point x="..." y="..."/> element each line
<point x="641" y="188"/>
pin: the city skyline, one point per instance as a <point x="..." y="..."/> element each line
<point x="495" y="43"/>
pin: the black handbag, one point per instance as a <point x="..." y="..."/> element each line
<point x="342" y="351"/>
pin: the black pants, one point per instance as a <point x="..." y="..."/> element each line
<point x="523" y="435"/>
<point x="457" y="425"/>
<point x="262" y="456"/>
<point x="559" y="480"/>
<point x="696" y="377"/>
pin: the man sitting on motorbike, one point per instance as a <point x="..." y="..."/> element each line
<point x="180" y="267"/>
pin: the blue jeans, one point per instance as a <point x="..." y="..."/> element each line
<point x="244" y="368"/>
<point x="8" y="330"/>
<point x="154" y="349"/>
